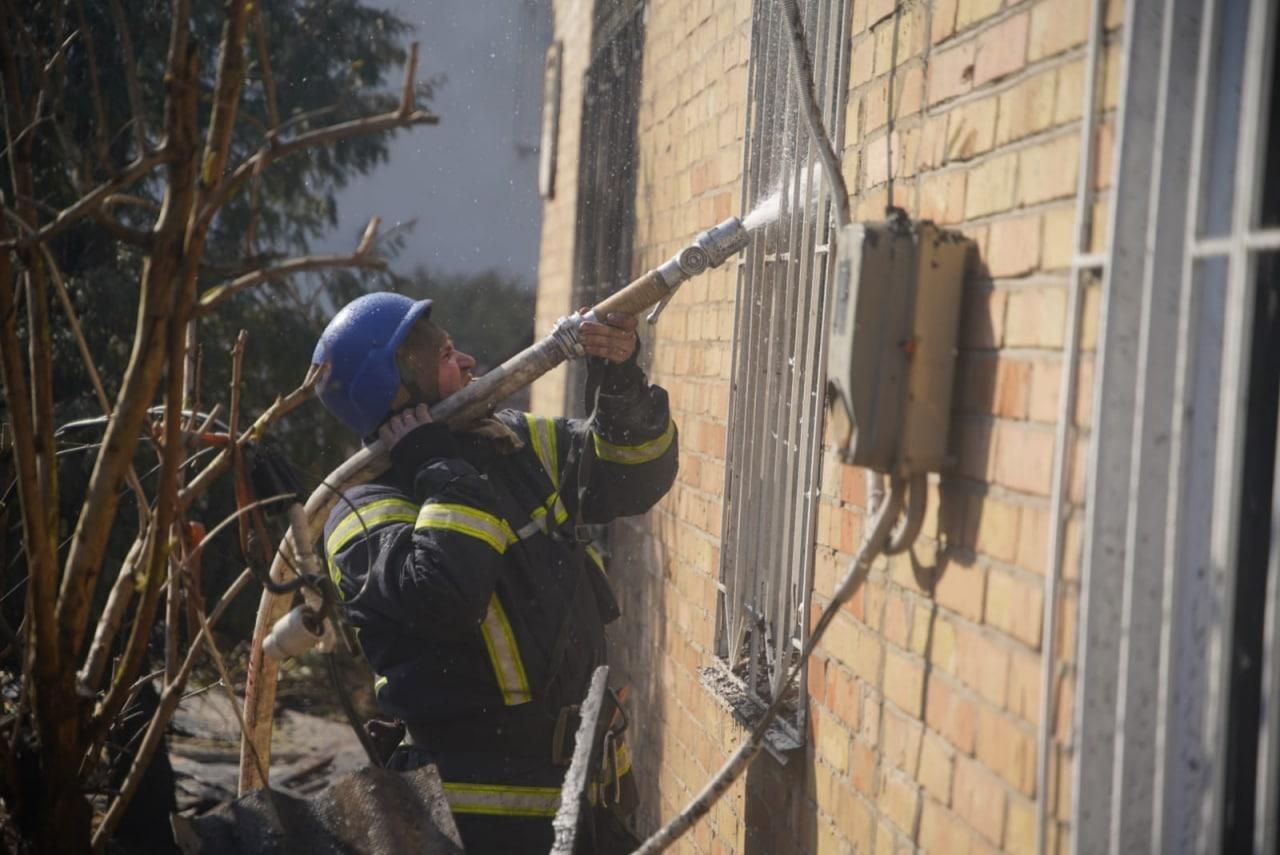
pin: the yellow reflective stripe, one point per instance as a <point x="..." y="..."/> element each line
<point x="365" y="519"/>
<point x="379" y="683"/>
<point x="502" y="800"/>
<point x="542" y="432"/>
<point x="538" y="517"/>
<point x="632" y="454"/>
<point x="594" y="555"/>
<point x="622" y="756"/>
<point x="504" y="655"/>
<point x="478" y="524"/>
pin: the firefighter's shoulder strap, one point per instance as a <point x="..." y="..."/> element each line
<point x="580" y="539"/>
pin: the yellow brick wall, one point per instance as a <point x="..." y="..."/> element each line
<point x="925" y="694"/>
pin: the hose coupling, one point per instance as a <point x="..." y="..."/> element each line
<point x="294" y="634"/>
<point x="566" y="337"/>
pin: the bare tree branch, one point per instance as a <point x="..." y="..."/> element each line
<point x="278" y="410"/>
<point x="90" y="677"/>
<point x="145" y="364"/>
<point x="226" y="99"/>
<point x="264" y="61"/>
<point x="275" y="150"/>
<point x="90" y="202"/>
<point x="60" y="286"/>
<point x="130" y="76"/>
<point x="216" y="296"/>
<point x="168" y="703"/>
<point x="95" y="87"/>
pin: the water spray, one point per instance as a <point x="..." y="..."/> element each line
<point x="654" y="289"/>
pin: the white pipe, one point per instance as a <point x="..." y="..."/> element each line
<point x="1063" y="431"/>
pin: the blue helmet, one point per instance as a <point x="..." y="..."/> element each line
<point x="360" y="346"/>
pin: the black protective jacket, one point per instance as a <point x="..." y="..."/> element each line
<point x="460" y="567"/>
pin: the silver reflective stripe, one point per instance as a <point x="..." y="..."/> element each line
<point x="633" y="454"/>
<point x="542" y="434"/>
<point x="363" y="520"/>
<point x="470" y="521"/>
<point x="504" y="655"/>
<point x="501" y="800"/>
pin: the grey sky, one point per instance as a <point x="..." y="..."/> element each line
<point x="474" y="196"/>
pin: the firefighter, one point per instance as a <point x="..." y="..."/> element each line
<point x="466" y="568"/>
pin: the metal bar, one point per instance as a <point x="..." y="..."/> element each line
<point x="1266" y="823"/>
<point x="1242" y="287"/>
<point x="1170" y="767"/>
<point x="739" y="576"/>
<point x="1093" y="723"/>
<point x="1266" y="240"/>
<point x="1144" y="557"/>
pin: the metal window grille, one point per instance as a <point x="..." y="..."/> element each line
<point x="606" y="165"/>
<point x="1182" y="577"/>
<point x="776" y="407"/>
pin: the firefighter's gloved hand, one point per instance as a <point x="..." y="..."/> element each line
<point x="614" y="341"/>
<point x="402" y="424"/>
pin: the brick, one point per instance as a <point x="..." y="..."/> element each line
<point x="996" y="523"/>
<point x="1011" y="393"/>
<point x="934" y="770"/>
<point x="961" y="589"/>
<point x="951" y="714"/>
<point x="862" y="772"/>
<point x="941" y="832"/>
<point x="983" y="318"/>
<point x="898" y="800"/>
<point x="1048" y="171"/>
<point x="1084" y="392"/>
<point x="982" y="664"/>
<point x="943" y="24"/>
<point x="833" y="744"/>
<point x="1014" y="607"/>
<point x="1033" y="540"/>
<point x="1001" y="50"/>
<point x="1020" y="827"/>
<point x="862" y="61"/>
<point x="1068" y="101"/>
<point x="932" y="151"/>
<point x="951" y="72"/>
<point x="970" y="12"/>
<point x="971" y="129"/>
<point x="903" y="681"/>
<point x="1014" y="247"/>
<point x="1024" y="687"/>
<point x="842" y="696"/>
<point x="908" y="92"/>
<point x="1104" y="146"/>
<point x="942" y="197"/>
<point x="979" y="799"/>
<point x="878" y="10"/>
<point x="1057" y="25"/>
<point x="1007" y="749"/>
<point x="1036" y="317"/>
<point x="1024" y="457"/>
<point x="992" y="186"/>
<point x="935" y="639"/>
<point x="1059" y="242"/>
<point x="875" y="105"/>
<point x="899" y="742"/>
<point x="1027" y="108"/>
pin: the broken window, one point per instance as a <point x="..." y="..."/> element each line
<point x="776" y="406"/>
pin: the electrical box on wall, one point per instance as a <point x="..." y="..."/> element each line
<point x="892" y="346"/>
